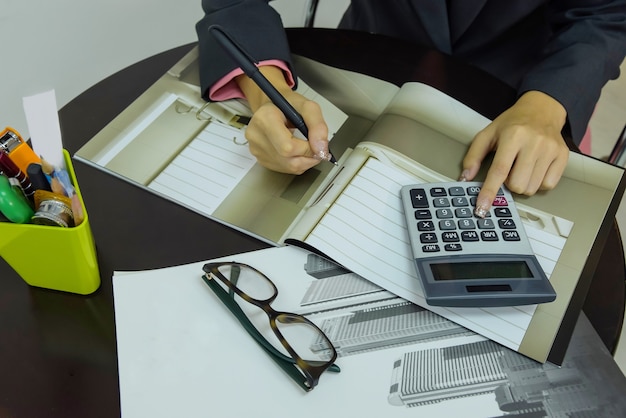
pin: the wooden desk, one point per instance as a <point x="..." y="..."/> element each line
<point x="58" y="351"/>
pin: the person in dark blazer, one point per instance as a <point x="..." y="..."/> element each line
<point x="557" y="55"/>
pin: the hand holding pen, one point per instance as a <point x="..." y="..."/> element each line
<point x="273" y="145"/>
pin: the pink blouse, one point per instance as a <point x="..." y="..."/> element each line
<point x="226" y="88"/>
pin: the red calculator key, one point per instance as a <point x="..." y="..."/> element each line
<point x="500" y="201"/>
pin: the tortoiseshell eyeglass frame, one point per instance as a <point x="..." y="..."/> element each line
<point x="305" y="373"/>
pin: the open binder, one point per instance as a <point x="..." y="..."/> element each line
<point x="172" y="143"/>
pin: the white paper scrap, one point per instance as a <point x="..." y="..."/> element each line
<point x="42" y="118"/>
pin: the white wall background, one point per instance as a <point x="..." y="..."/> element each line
<point x="69" y="45"/>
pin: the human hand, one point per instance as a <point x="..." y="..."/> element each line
<point x="271" y="136"/>
<point x="530" y="153"/>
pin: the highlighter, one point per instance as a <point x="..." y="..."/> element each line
<point x="10" y="169"/>
<point x="37" y="177"/>
<point x="20" y="152"/>
<point x="13" y="204"/>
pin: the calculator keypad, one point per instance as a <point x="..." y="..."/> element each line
<point x="445" y="220"/>
<point x="462" y="259"/>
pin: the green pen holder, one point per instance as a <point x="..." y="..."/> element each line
<point x="53" y="257"/>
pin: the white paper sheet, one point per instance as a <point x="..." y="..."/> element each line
<point x="182" y="353"/>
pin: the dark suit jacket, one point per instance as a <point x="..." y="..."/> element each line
<point x="568" y="49"/>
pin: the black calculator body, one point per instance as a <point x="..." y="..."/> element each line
<point x="466" y="261"/>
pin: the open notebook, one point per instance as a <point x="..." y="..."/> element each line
<point x="386" y="136"/>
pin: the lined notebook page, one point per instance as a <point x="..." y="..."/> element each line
<point x="364" y="230"/>
<point x="207" y="170"/>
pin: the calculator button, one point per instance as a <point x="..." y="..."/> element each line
<point x="430" y="248"/>
<point x="500" y="201"/>
<point x="453" y="247"/>
<point x="510" y="236"/>
<point x="438" y="192"/>
<point x="427" y="238"/>
<point x="443" y="213"/>
<point x="460" y="201"/>
<point x="485" y="224"/>
<point x="441" y="202"/>
<point x="469" y="236"/>
<point x="456" y="191"/>
<point x="447" y="225"/>
<point x="467" y="224"/>
<point x="423" y="214"/>
<point x="473" y="190"/>
<point x="506" y="224"/>
<point x="501" y="212"/>
<point x="450" y="237"/>
<point x="425" y="226"/>
<point x="463" y="213"/>
<point x="489" y="236"/>
<point x="418" y="198"/>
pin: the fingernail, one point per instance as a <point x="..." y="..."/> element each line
<point x="480" y="211"/>
<point x="323" y="155"/>
<point x="482" y="208"/>
<point x="464" y="175"/>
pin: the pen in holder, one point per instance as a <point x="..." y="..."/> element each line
<point x="53" y="257"/>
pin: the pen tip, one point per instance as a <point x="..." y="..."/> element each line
<point x="326" y="156"/>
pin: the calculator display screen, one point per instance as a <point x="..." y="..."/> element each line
<point x="481" y="270"/>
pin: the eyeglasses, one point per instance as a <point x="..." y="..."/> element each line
<point x="295" y="343"/>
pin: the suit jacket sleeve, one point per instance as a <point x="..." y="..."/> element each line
<point x="584" y="53"/>
<point x="567" y="49"/>
<point x="253" y="23"/>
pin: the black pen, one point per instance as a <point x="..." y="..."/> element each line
<point x="249" y="67"/>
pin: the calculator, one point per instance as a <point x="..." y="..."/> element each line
<point x="466" y="261"/>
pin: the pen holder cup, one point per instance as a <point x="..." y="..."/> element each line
<point x="53" y="257"/>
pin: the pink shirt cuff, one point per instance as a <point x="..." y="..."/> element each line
<point x="226" y="87"/>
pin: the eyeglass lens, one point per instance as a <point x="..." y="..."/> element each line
<point x="305" y="339"/>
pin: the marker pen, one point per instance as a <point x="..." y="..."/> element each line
<point x="13" y="204"/>
<point x="37" y="177"/>
<point x="20" y="152"/>
<point x="12" y="170"/>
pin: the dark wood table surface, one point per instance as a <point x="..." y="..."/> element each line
<point x="58" y="350"/>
